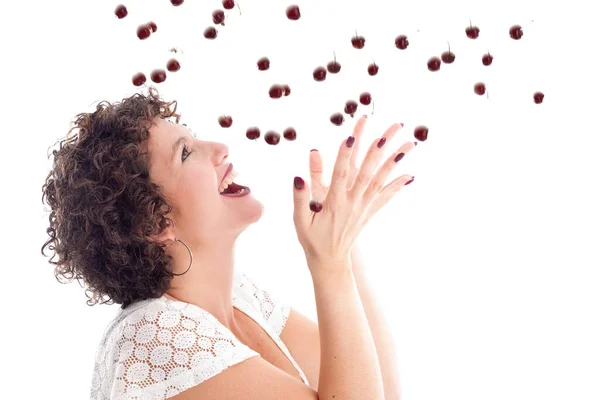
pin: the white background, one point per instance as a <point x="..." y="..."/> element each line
<point x="487" y="266"/>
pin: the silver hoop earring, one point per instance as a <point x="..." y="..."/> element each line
<point x="191" y="257"/>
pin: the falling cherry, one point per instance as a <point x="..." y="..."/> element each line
<point x="516" y="32"/>
<point x="333" y="66"/>
<point x="218" y="17"/>
<point x="177" y="2"/>
<point x="337" y="119"/>
<point x="275" y="91"/>
<point x="358" y="42"/>
<point x="472" y="31"/>
<point x="434" y="64"/>
<point x="210" y="32"/>
<point x="263" y="64"/>
<point x="487" y="59"/>
<point x="479" y="88"/>
<point x="253" y="133"/>
<point x="289" y="134"/>
<point x="315" y="206"/>
<point x="421" y="132"/>
<point x="319" y="74"/>
<point x="173" y="65"/>
<point x="121" y="11"/>
<point x="144" y="31"/>
<point x="158" y="75"/>
<point x="152" y="26"/>
<point x="286" y="90"/>
<point x="293" y="12"/>
<point x="448" y="57"/>
<point x="401" y="42"/>
<point x="373" y="69"/>
<point x="365" y="98"/>
<point x="225" y="121"/>
<point x="139" y="79"/>
<point x="272" y="137"/>
<point x="538" y="97"/>
<point x="351" y="107"/>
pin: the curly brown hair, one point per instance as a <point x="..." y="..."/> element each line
<point x="104" y="206"/>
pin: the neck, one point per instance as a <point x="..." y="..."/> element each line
<point x="208" y="283"/>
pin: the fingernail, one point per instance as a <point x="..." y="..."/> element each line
<point x="299" y="183"/>
<point x="409" y="182"/>
<point x="313" y="150"/>
<point x="350" y="141"/>
<point x="381" y="142"/>
<point x="399" y="157"/>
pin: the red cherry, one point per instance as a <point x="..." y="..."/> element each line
<point x="319" y="74"/>
<point x="337" y="119"/>
<point x="333" y="66"/>
<point x="365" y="98"/>
<point x="177" y="2"/>
<point x="225" y="121"/>
<point x="276" y="91"/>
<point x="121" y="11"/>
<point x="434" y="64"/>
<point x="351" y="107"/>
<point x="158" y="75"/>
<point x="358" y="42"/>
<point x="479" y="88"/>
<point x="272" y="137"/>
<point x="487" y="59"/>
<point x="144" y="31"/>
<point x="315" y="206"/>
<point x="289" y="133"/>
<point x="448" y="57"/>
<point x="516" y="32"/>
<point x="472" y="31"/>
<point x="139" y="79"/>
<point x="538" y="97"/>
<point x="173" y="65"/>
<point x="152" y="26"/>
<point x="263" y="64"/>
<point x="218" y="17"/>
<point x="373" y="69"/>
<point x="421" y="132"/>
<point x="210" y="32"/>
<point x="286" y="90"/>
<point x="401" y="42"/>
<point x="228" y="4"/>
<point x="293" y="12"/>
<point x="253" y="133"/>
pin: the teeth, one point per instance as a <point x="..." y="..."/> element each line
<point x="227" y="181"/>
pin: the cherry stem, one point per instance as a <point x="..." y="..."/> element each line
<point x="238" y="6"/>
<point x="448" y="47"/>
<point x="334" y="56"/>
<point x="356" y="32"/>
<point x="470" y="24"/>
<point x="372" y="112"/>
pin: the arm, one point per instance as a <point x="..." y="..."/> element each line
<point x="301" y="336"/>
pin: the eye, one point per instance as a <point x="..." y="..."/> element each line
<point x="183" y="152"/>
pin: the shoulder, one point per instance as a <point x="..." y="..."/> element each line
<point x="274" y="310"/>
<point x="164" y="347"/>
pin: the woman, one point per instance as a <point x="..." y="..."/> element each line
<point x="139" y="214"/>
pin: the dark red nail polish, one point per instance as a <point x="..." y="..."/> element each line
<point x="409" y="182"/>
<point x="315" y="206"/>
<point x="299" y="183"/>
<point x="416" y="143"/>
<point x="381" y="142"/>
<point x="313" y="150"/>
<point x="350" y="141"/>
<point x="399" y="157"/>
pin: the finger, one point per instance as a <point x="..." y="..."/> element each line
<point x="316" y="176"/>
<point x="381" y="200"/>
<point x="337" y="189"/>
<point x="358" y="131"/>
<point x="381" y="176"/>
<point x="365" y="175"/>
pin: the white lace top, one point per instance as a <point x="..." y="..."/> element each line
<point x="158" y="348"/>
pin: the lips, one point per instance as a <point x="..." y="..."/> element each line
<point x="226" y="173"/>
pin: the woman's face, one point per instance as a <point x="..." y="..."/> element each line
<point x="189" y="170"/>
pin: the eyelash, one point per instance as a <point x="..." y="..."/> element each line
<point x="183" y="151"/>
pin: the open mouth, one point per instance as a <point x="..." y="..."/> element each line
<point x="235" y="190"/>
